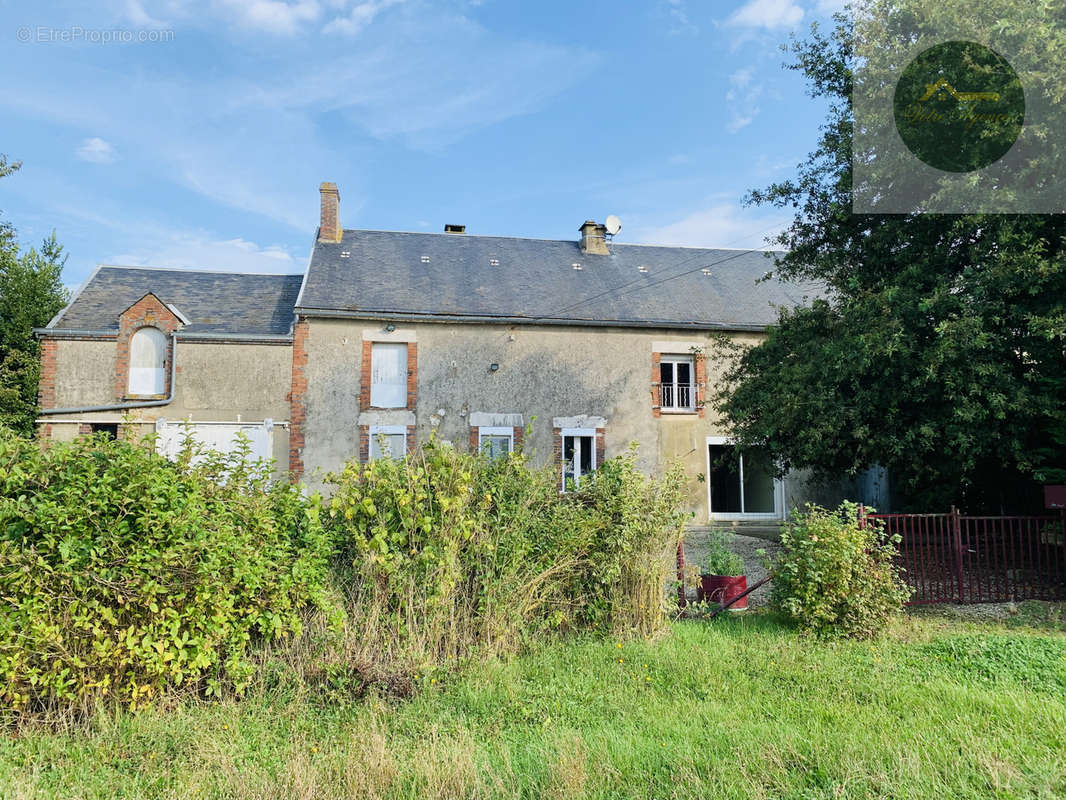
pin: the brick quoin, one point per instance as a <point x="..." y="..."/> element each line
<point x="149" y="311"/>
<point x="46" y="386"/>
<point x="364" y="443"/>
<point x="475" y="438"/>
<point x="84" y="428"/>
<point x="298" y="399"/>
<point x="410" y="440"/>
<point x="364" y="376"/>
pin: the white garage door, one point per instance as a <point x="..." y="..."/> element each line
<point x="221" y="437"/>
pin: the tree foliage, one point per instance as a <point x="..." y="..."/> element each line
<point x="937" y="346"/>
<point x="31" y="293"/>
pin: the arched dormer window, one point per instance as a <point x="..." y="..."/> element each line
<point x="148" y="353"/>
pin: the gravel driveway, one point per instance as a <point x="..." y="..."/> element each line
<point x="745" y="547"/>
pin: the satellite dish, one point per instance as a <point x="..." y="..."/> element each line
<point x="613" y="224"/>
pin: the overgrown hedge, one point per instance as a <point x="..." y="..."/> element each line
<point x="448" y="554"/>
<point x="834" y="577"/>
<point x="123" y="574"/>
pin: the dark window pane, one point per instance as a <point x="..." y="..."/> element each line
<point x="758" y="484"/>
<point x="586" y="455"/>
<point x="725" y="479"/>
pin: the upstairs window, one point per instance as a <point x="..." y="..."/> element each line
<point x="388" y="375"/>
<point x="148" y="353"/>
<point x="677" y="388"/>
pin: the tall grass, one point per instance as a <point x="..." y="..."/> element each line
<point x="739" y="708"/>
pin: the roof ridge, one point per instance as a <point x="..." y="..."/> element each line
<point x="574" y="242"/>
<point x="187" y="270"/>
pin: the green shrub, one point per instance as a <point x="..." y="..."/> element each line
<point x="835" y="578"/>
<point x="123" y="575"/>
<point x="446" y="554"/>
<point x="721" y="560"/>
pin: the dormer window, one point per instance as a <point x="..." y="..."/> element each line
<point x="148" y="352"/>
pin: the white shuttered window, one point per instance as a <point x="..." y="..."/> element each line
<point x="388" y="375"/>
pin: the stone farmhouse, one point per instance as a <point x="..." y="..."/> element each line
<point x="569" y="349"/>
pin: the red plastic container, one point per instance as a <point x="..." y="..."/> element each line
<point x="722" y="589"/>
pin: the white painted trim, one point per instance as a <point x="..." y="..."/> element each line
<point x="484" y="419"/>
<point x="482" y="433"/>
<point x="489" y="430"/>
<point x="779" y="489"/>
<point x="676" y="348"/>
<point x="584" y="432"/>
<point x="583" y="421"/>
<point x="178" y="314"/>
<point x="398" y="336"/>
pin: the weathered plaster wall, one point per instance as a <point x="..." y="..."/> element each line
<point x="214" y="382"/>
<point x="544" y="372"/>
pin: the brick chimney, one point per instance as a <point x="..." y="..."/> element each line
<point x="594" y="238"/>
<point x="329" y="226"/>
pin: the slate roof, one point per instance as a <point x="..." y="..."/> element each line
<point x="218" y="303"/>
<point x="462" y="276"/>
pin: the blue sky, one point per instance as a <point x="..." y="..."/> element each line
<point x="513" y="118"/>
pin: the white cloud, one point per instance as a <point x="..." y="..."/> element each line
<point x="677" y="12"/>
<point x="200" y="251"/>
<point x="97" y="151"/>
<point x="273" y="16"/>
<point x="721" y="225"/>
<point x="360" y="15"/>
<point x="769" y="14"/>
<point x="742" y="99"/>
<point x="426" y="78"/>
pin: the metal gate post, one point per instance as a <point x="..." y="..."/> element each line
<point x="956" y="526"/>
<point x="681" y="600"/>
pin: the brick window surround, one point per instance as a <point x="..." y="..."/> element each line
<point x="147" y="312"/>
<point x="700" y="381"/>
<point x="517" y="433"/>
<point x="365" y="373"/>
<point x="364" y="442"/>
<point x="557" y="451"/>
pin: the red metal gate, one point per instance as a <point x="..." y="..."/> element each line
<point x="951" y="558"/>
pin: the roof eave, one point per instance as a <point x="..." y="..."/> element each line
<point x="332" y="313"/>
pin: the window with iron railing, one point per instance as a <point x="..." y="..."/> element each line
<point x="677" y="385"/>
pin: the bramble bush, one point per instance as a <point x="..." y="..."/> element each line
<point x="447" y="555"/>
<point x="124" y="575"/>
<point x="835" y="578"/>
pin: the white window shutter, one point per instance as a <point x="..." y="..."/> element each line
<point x="148" y="350"/>
<point x="388" y="375"/>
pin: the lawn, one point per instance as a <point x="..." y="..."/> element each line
<point x="741" y="707"/>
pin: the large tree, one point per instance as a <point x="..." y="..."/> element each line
<point x="938" y="347"/>
<point x="31" y="293"/>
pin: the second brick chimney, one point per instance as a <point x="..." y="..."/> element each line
<point x="329" y="226"/>
<point x="594" y="238"/>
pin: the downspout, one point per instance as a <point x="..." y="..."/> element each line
<point x="44" y="412"/>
